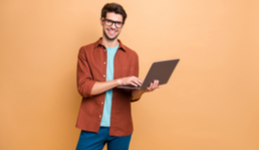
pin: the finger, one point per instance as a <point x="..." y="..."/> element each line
<point x="136" y="83"/>
<point x="130" y="81"/>
<point x="156" y="83"/>
<point x="137" y="80"/>
<point x="140" y="81"/>
<point x="149" y="87"/>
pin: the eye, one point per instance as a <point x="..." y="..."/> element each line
<point x="109" y="21"/>
<point x="118" y="23"/>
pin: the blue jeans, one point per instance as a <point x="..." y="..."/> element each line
<point x="96" y="141"/>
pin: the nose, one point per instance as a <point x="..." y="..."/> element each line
<point x="113" y="25"/>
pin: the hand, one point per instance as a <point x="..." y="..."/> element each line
<point x="136" y="94"/>
<point x="133" y="81"/>
<point x="154" y="85"/>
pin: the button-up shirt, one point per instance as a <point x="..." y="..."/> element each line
<point x="91" y="68"/>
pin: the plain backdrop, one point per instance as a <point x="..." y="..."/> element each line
<point x="210" y="103"/>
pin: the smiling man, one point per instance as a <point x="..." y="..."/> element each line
<point x="105" y="111"/>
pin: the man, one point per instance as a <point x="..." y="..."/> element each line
<point x="105" y="111"/>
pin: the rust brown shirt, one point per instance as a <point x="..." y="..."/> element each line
<point x="92" y="68"/>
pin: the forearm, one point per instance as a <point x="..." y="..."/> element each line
<point x="101" y="87"/>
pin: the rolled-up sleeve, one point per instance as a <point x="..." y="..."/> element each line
<point x="136" y="73"/>
<point x="85" y="80"/>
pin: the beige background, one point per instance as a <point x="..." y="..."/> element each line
<point x="210" y="102"/>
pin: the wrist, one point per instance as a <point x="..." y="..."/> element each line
<point x="119" y="82"/>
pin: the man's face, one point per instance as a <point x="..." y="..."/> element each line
<point x="112" y="25"/>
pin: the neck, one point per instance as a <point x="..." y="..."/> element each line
<point x="108" y="43"/>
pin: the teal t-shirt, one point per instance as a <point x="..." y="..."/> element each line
<point x="111" y="52"/>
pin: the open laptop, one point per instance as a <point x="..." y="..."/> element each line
<point x="160" y="70"/>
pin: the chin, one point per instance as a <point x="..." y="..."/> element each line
<point x="110" y="38"/>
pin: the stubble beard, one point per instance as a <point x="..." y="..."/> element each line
<point x="108" y="38"/>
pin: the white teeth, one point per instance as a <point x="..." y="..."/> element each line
<point x="111" y="31"/>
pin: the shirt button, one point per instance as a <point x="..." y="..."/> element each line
<point x="104" y="75"/>
<point x="104" y="62"/>
<point x="105" y="50"/>
<point x="102" y="103"/>
<point x="99" y="116"/>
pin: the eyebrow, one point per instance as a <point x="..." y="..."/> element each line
<point x="115" y="21"/>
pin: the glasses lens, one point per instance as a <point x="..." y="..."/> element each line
<point x="119" y="24"/>
<point x="109" y="22"/>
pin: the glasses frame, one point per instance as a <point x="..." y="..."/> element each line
<point x="113" y="22"/>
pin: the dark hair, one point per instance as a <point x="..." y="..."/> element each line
<point x="113" y="7"/>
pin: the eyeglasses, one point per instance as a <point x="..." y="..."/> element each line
<point x="109" y="22"/>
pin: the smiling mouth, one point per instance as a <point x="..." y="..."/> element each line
<point x="111" y="31"/>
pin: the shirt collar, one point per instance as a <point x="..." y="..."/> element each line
<point x="121" y="46"/>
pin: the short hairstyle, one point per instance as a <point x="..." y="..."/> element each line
<point x="113" y="7"/>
